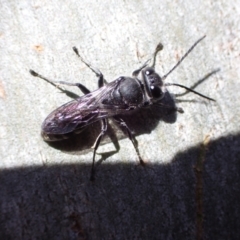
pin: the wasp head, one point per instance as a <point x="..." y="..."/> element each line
<point x="153" y="83"/>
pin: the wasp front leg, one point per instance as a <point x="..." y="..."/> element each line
<point x="136" y="72"/>
<point x="157" y="50"/>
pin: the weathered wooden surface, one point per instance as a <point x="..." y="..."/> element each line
<point x="189" y="188"/>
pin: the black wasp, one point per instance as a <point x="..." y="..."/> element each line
<point x="120" y="96"/>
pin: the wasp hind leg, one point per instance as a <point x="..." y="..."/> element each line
<point x="98" y="73"/>
<point x="58" y="84"/>
<point x="96" y="145"/>
<point x="84" y="89"/>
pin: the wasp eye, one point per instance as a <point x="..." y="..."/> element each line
<point x="149" y="71"/>
<point x="156" y="92"/>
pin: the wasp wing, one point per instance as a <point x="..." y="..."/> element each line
<point x="77" y="114"/>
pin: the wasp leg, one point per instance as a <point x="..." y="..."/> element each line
<point x="54" y="83"/>
<point x="98" y="73"/>
<point x="96" y="145"/>
<point x="84" y="89"/>
<point x="158" y="49"/>
<point x="58" y="84"/>
<point x="136" y="72"/>
<point x="127" y="131"/>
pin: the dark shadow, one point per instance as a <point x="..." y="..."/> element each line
<point x="196" y="194"/>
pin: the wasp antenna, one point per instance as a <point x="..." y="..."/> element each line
<point x="184" y="56"/>
<point x="190" y="90"/>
